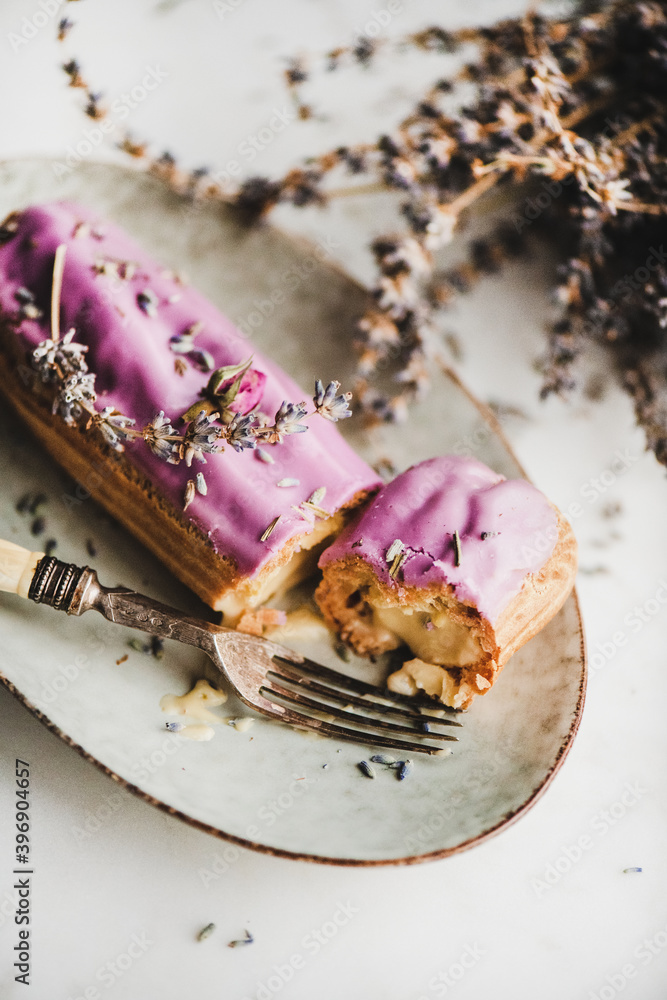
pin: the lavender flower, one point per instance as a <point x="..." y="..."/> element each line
<point x="201" y="436"/>
<point x="156" y="435"/>
<point x="112" y="426"/>
<point x="287" y="419"/>
<point x="330" y="405"/>
<point x="74" y="393"/>
<point x="55" y="358"/>
<point x="44" y="360"/>
<point x="240" y="432"/>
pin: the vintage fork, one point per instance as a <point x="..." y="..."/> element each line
<point x="266" y="676"/>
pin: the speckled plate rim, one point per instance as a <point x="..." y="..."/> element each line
<point x="490" y="419"/>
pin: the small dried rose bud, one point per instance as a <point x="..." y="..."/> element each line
<point x="250" y="392"/>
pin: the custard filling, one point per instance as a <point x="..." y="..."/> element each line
<point x="432" y="637"/>
<point x="301" y="564"/>
<point x="416" y="675"/>
<point x="438" y="643"/>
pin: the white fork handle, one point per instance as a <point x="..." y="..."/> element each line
<point x="76" y="589"/>
<point x="17" y="568"/>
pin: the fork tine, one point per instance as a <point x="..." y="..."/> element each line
<point x="319" y="672"/>
<point x="352" y="736"/>
<point x="358" y="736"/>
<point x="344" y="698"/>
<point x="378" y="726"/>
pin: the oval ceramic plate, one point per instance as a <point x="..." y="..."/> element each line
<point x="268" y="788"/>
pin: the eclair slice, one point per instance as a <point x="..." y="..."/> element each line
<point x="455" y="562"/>
<point x="253" y="523"/>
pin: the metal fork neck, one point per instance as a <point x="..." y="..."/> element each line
<point x="55" y="583"/>
<point x="76" y="589"/>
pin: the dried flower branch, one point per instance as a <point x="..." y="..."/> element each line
<point x="569" y="114"/>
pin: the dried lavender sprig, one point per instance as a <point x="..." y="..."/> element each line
<point x="60" y="362"/>
<point x="331" y="404"/>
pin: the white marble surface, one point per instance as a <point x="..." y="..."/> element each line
<point x="527" y="914"/>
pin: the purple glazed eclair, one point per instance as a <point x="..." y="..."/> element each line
<point x="455" y="562"/>
<point x="162" y="410"/>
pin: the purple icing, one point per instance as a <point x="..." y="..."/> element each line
<point x="129" y="352"/>
<point x="507" y="529"/>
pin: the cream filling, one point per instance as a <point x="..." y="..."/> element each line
<point x="416" y="675"/>
<point x="301" y="624"/>
<point x="299" y="567"/>
<point x="448" y="643"/>
<point x="199" y="732"/>
<point x="196" y="703"/>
